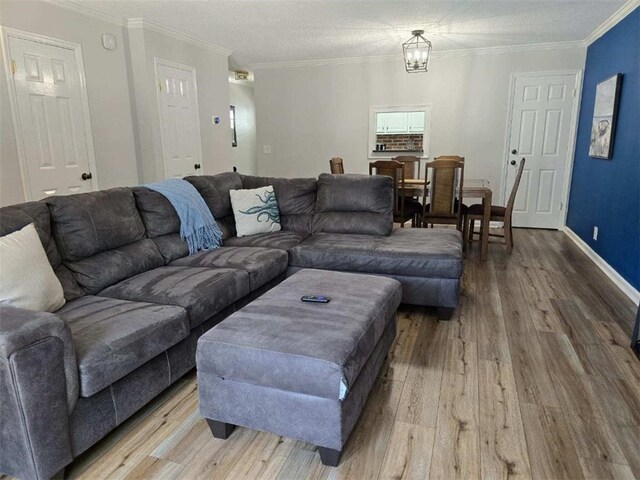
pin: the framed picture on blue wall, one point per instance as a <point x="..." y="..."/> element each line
<point x="605" y="111"/>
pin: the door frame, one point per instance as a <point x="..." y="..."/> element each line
<point x="5" y="34"/>
<point x="157" y="62"/>
<point x="573" y="131"/>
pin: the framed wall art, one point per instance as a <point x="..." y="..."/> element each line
<point x="604" y="117"/>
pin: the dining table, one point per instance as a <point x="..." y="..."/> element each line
<point x="472" y="188"/>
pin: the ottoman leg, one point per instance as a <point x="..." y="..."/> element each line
<point x="220" y="429"/>
<point x="444" y="313"/>
<point x="329" y="457"/>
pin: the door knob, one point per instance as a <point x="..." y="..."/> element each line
<point x="514" y="151"/>
<point x="197" y="166"/>
<point x="86" y="176"/>
<point x="513" y="162"/>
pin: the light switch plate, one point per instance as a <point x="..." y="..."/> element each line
<point x="109" y="41"/>
<point x="266" y="149"/>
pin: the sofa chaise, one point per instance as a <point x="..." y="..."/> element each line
<point x="136" y="302"/>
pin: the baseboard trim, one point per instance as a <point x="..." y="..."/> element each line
<point x="608" y="270"/>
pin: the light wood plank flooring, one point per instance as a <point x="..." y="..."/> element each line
<point x="532" y="378"/>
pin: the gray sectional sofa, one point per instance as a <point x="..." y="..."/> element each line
<point x="137" y="302"/>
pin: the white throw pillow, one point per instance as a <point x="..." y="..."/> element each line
<point x="26" y="277"/>
<point x="255" y="211"/>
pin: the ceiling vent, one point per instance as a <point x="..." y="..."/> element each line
<point x="241" y="75"/>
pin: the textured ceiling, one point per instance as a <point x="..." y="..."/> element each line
<point x="276" y="31"/>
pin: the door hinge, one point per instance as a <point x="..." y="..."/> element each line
<point x="160" y="85"/>
<point x="13" y="67"/>
<point x="561" y="206"/>
<point x="574" y="93"/>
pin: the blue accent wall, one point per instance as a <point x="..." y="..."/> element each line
<point x="606" y="193"/>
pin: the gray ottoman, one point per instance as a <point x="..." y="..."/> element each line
<point x="301" y="370"/>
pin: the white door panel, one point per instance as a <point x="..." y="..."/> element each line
<point x="541" y="114"/>
<point x="51" y="121"/>
<point x="179" y="120"/>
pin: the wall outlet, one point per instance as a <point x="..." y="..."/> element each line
<point x="266" y="149"/>
<point x="595" y="233"/>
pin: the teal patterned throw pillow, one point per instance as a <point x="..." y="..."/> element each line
<point x="255" y="211"/>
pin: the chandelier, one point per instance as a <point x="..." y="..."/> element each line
<point x="417" y="51"/>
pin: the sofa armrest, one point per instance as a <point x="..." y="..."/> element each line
<point x="39" y="387"/>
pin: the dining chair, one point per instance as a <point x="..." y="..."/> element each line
<point x="336" y="165"/>
<point x="460" y="159"/>
<point x="404" y="208"/>
<point x="443" y="178"/>
<point x="498" y="213"/>
<point x="450" y="157"/>
<point x="412" y="165"/>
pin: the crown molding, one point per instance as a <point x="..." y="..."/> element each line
<point x="86" y="9"/>
<point x="434" y="55"/>
<point x="325" y="61"/>
<point x="612" y="21"/>
<point x="156" y="27"/>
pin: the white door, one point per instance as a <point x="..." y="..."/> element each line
<point x="179" y="119"/>
<point x="51" y="117"/>
<point x="541" y="119"/>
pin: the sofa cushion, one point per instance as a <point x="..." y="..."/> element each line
<point x="111" y="266"/>
<point x="157" y="213"/>
<point x="161" y="222"/>
<point x="354" y="204"/>
<point x="255" y="211"/>
<point x="114" y="337"/>
<point x="215" y="191"/>
<point x="409" y="252"/>
<point x="296" y="199"/>
<point x="90" y="223"/>
<point x="203" y="292"/>
<point x="40" y="289"/>
<point x="171" y="247"/>
<point x="102" y="238"/>
<point x="15" y="217"/>
<point x="279" y="342"/>
<point x="262" y="264"/>
<point x="283" y="240"/>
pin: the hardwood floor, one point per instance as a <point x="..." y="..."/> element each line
<point x="532" y="378"/>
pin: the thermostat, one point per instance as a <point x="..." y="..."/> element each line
<point x="109" y="41"/>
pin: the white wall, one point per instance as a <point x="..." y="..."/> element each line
<point x="309" y="114"/>
<point x="122" y="97"/>
<point x="213" y="100"/>
<point x="244" y="155"/>
<point x="107" y="89"/>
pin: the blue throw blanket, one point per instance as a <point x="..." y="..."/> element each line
<point x="197" y="225"/>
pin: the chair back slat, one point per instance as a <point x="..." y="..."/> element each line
<point x="446" y="182"/>
<point x="412" y="165"/>
<point x="395" y="170"/>
<point x="514" y="189"/>
<point x="336" y="165"/>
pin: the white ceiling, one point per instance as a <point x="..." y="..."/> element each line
<point x="271" y="31"/>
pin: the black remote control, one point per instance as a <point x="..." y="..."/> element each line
<point x="315" y="299"/>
